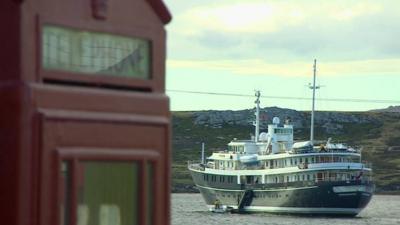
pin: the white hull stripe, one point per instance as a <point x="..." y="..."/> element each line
<point x="282" y="189"/>
<point x="297" y="209"/>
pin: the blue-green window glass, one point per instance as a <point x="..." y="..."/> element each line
<point x="108" y="193"/>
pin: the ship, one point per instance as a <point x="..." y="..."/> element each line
<point x="273" y="173"/>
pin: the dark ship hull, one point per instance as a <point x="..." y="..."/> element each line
<point x="340" y="198"/>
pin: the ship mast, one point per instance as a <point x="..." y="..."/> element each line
<point x="313" y="87"/>
<point x="257" y="122"/>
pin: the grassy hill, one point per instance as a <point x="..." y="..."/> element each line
<point x="376" y="132"/>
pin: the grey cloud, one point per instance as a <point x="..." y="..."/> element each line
<point x="371" y="37"/>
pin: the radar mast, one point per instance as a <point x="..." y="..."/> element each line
<point x="313" y="87"/>
<point x="257" y="113"/>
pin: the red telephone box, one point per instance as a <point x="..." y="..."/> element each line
<point x="84" y="121"/>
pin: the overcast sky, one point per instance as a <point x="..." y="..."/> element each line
<point x="237" y="46"/>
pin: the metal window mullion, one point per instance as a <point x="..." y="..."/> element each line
<point x="143" y="193"/>
<point x="73" y="198"/>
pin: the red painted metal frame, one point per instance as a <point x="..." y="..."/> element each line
<point x="36" y="105"/>
<point x="153" y="34"/>
<point x="161" y="9"/>
<point x="77" y="154"/>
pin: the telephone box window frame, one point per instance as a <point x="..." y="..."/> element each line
<point x="75" y="156"/>
<point x="52" y="76"/>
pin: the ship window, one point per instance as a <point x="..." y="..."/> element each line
<point x="301" y="160"/>
<point x="291" y="161"/>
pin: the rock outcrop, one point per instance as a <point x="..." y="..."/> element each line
<point x="392" y="109"/>
<point x="332" y="122"/>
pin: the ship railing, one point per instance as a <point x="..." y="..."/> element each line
<point x="196" y="165"/>
<point x="323" y="149"/>
<point x="319" y="164"/>
<point x="308" y="183"/>
<point x="357" y="180"/>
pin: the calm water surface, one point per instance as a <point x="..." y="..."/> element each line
<point x="190" y="209"/>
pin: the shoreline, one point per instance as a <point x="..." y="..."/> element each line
<point x="380" y="193"/>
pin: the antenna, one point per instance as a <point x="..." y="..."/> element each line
<point x="257" y="122"/>
<point x="313" y="87"/>
<point x="202" y="153"/>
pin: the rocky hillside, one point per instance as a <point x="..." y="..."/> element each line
<point x="395" y="109"/>
<point x="378" y="133"/>
<point x="330" y="122"/>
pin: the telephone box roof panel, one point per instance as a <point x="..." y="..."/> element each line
<point x="161" y="10"/>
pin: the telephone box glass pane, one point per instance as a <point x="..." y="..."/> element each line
<point x="108" y="193"/>
<point x="95" y="53"/>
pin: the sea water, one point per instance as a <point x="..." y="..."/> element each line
<point x="190" y="209"/>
